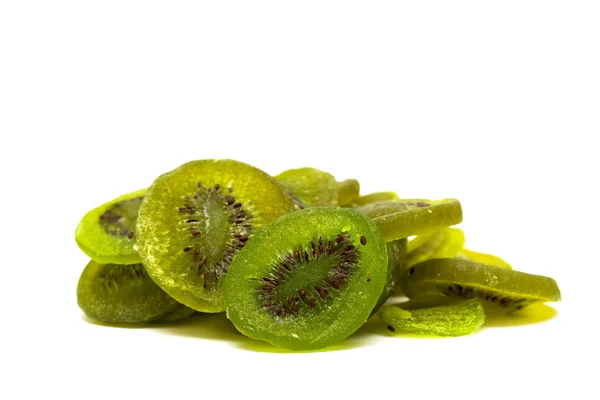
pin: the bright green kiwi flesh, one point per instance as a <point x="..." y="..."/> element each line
<point x="116" y="293"/>
<point x="308" y="280"/>
<point x="501" y="289"/>
<point x="309" y="187"/>
<point x="446" y="243"/>
<point x="195" y="219"/>
<point x="482" y="258"/>
<point x="348" y="192"/>
<point x="107" y="234"/>
<point x="403" y="218"/>
<point x="447" y="318"/>
<point x="396" y="264"/>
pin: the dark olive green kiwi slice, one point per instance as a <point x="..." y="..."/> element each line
<point x="482" y="258"/>
<point x="449" y="318"/>
<point x="107" y="234"/>
<point x="308" y="280"/>
<point x="375" y="198"/>
<point x="348" y="192"/>
<point x="195" y="219"/>
<point x="501" y="289"/>
<point x="309" y="187"/>
<point x="446" y="243"/>
<point x="396" y="264"/>
<point x="116" y="293"/>
<point x="403" y="218"/>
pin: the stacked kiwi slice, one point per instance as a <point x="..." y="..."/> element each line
<point x="298" y="259"/>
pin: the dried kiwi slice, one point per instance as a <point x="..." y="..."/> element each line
<point x="308" y="280"/>
<point x="446" y="243"/>
<point x="375" y="198"/>
<point x="482" y="258"/>
<point x="453" y="318"/>
<point x="348" y="192"/>
<point x="107" y="234"/>
<point x="116" y="293"/>
<point x="195" y="219"/>
<point x="309" y="187"/>
<point x="502" y="289"/>
<point x="403" y="218"/>
<point x="396" y="265"/>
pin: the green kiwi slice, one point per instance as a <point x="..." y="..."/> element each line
<point x="454" y="318"/>
<point x="375" y="198"/>
<point x="309" y="187"/>
<point x="446" y="243"/>
<point x="501" y="289"/>
<point x="348" y="192"/>
<point x="482" y="258"/>
<point x="116" y="293"/>
<point x="195" y="219"/>
<point x="403" y="218"/>
<point x="107" y="234"/>
<point x="396" y="251"/>
<point x="308" y="280"/>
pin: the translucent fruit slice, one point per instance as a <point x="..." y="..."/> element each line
<point x="455" y="318"/>
<point x="195" y="219"/>
<point x="375" y="198"/>
<point x="310" y="187"/>
<point x="115" y="293"/>
<point x="446" y="243"/>
<point x="482" y="258"/>
<point x="403" y="218"/>
<point x="107" y="234"/>
<point x="348" y="191"/>
<point x="308" y="280"/>
<point x="502" y="289"/>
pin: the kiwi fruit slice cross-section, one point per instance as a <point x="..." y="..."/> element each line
<point x="348" y="192"/>
<point x="195" y="219"/>
<point x="482" y="258"/>
<point x="396" y="264"/>
<point x="446" y="243"/>
<point x="308" y="280"/>
<point x="449" y="318"/>
<point x="116" y="293"/>
<point x="403" y="218"/>
<point x="107" y="234"/>
<point x="501" y="289"/>
<point x="309" y="187"/>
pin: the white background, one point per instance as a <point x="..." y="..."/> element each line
<point x="496" y="104"/>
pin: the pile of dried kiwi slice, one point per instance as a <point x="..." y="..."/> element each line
<point x="297" y="259"/>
